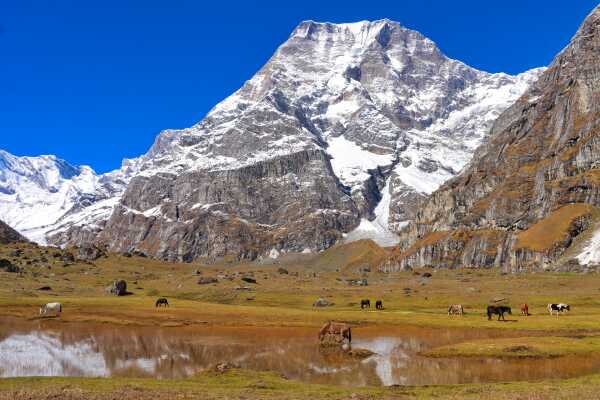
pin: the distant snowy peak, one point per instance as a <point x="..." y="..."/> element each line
<point x="46" y="172"/>
<point x="36" y="193"/>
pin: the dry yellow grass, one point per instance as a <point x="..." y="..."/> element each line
<point x="553" y="229"/>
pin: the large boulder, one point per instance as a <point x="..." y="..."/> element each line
<point x="206" y="280"/>
<point x="89" y="252"/>
<point x="118" y="288"/>
<point x="6" y="265"/>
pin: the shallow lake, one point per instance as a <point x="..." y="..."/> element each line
<point x="52" y="348"/>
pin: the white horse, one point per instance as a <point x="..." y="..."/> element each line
<point x="51" y="308"/>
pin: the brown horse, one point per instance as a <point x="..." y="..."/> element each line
<point x="336" y="328"/>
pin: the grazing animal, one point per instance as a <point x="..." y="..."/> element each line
<point x="456" y="309"/>
<point x="365" y="303"/>
<point x="51" y="308"/>
<point x="162" y="302"/>
<point x="379" y="305"/>
<point x="336" y="328"/>
<point x="524" y="309"/>
<point x="558" y="308"/>
<point x="498" y="310"/>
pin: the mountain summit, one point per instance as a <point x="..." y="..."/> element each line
<point x="337" y="137"/>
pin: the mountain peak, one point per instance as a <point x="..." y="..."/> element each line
<point x="361" y="30"/>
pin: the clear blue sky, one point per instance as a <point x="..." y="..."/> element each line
<point x="95" y="81"/>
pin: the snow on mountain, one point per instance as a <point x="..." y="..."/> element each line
<point x="41" y="194"/>
<point x="380" y="98"/>
<point x="590" y="254"/>
<point x="396" y="116"/>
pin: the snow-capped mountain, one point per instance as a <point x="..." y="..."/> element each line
<point x="42" y="194"/>
<point x="345" y="125"/>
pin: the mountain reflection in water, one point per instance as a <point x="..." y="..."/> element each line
<point x="49" y="348"/>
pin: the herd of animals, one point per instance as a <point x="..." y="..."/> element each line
<point x="343" y="331"/>
<point x="454" y="309"/>
<point x="553" y="308"/>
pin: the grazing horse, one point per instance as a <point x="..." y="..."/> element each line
<point x="162" y="302"/>
<point x="54" y="308"/>
<point x="456" y="309"/>
<point x="365" y="303"/>
<point x="524" y="309"/>
<point x="558" y="308"/>
<point x="499" y="310"/>
<point x="379" y="305"/>
<point x="336" y="328"/>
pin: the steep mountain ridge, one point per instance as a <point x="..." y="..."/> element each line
<point x="341" y="117"/>
<point x="9" y="235"/>
<point x="533" y="188"/>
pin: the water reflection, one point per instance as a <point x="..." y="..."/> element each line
<point x="55" y="349"/>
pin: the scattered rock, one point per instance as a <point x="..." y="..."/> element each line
<point x="89" y="252"/>
<point x="7" y="266"/>
<point x="16" y="253"/>
<point x="67" y="257"/>
<point x="358" y="282"/>
<point x="322" y="303"/>
<point x="118" y="288"/>
<point x="225" y="366"/>
<point x="206" y="280"/>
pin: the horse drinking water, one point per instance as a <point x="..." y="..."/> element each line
<point x="338" y="329"/>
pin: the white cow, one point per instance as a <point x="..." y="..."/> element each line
<point x="558" y="308"/>
<point x="51" y="309"/>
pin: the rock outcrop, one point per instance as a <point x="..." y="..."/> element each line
<point x="9" y="235"/>
<point x="117" y="288"/>
<point x="533" y="188"/>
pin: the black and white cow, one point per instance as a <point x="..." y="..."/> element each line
<point x="558" y="308"/>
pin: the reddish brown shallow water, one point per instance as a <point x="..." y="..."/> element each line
<point x="47" y="348"/>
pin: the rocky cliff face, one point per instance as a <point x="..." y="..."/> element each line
<point x="533" y="188"/>
<point x="9" y="235"/>
<point x="338" y="136"/>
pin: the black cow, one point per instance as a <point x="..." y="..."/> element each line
<point x="499" y="310"/>
<point x="379" y="305"/>
<point x="365" y="303"/>
<point x="162" y="302"/>
<point x="558" y="308"/>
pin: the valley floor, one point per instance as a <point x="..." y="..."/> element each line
<point x="280" y="299"/>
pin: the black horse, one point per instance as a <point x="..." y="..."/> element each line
<point x="365" y="303"/>
<point x="379" y="305"/>
<point x="162" y="302"/>
<point x="498" y="310"/>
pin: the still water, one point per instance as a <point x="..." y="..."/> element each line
<point x="51" y="348"/>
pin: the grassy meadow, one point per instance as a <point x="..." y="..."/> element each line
<point x="285" y="298"/>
